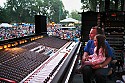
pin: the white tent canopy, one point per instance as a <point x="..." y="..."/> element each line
<point x="5" y="25"/>
<point x="70" y="20"/>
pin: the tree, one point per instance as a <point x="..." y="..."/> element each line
<point x="19" y="10"/>
<point x="57" y="11"/>
<point x="92" y="5"/>
<point x="3" y="15"/>
<point x="25" y="10"/>
<point x="74" y="14"/>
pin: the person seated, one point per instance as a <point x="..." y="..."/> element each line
<point x="99" y="55"/>
<point x="98" y="70"/>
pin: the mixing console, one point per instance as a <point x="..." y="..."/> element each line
<point x="18" y="62"/>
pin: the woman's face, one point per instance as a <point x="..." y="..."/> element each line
<point x="95" y="41"/>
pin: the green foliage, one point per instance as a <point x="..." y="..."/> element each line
<point x="25" y="10"/>
<point x="74" y="14"/>
<point x="91" y="5"/>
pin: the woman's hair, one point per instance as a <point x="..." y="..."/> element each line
<point x="101" y="43"/>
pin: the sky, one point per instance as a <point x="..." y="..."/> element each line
<point x="1" y="2"/>
<point x="69" y="5"/>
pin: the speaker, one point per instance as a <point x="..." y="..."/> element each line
<point x="89" y="20"/>
<point x="40" y="24"/>
<point x="107" y="5"/>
